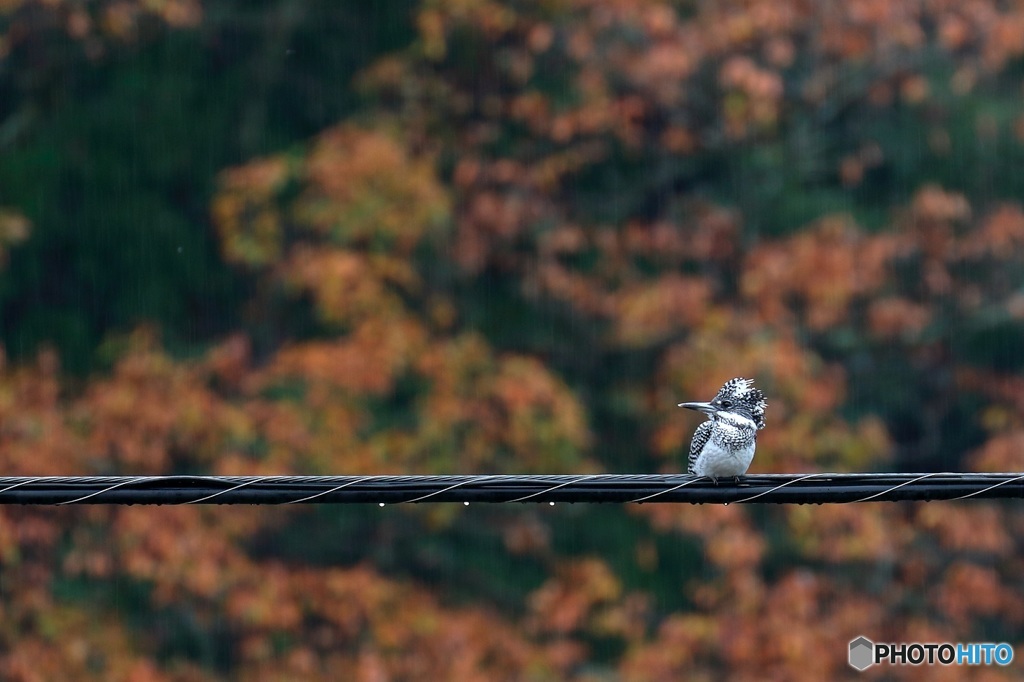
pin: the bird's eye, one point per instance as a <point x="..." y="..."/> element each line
<point x="726" y="404"/>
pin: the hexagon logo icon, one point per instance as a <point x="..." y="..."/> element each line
<point x="862" y="653"/>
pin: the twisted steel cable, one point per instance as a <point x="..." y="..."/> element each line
<point x="817" y="488"/>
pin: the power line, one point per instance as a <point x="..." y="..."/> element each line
<point x="818" y="488"/>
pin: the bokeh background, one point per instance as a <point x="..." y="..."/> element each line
<point x="473" y="236"/>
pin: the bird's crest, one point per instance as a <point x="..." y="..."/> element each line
<point x="742" y="392"/>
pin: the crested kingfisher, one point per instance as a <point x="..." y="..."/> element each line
<point x="724" y="445"/>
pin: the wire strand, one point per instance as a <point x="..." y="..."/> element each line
<point x="817" y="488"/>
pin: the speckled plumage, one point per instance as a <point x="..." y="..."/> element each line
<point x="724" y="445"/>
<point x="700" y="438"/>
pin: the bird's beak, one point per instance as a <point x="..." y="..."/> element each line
<point x="706" y="408"/>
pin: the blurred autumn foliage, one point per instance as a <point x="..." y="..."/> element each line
<point x="472" y="236"/>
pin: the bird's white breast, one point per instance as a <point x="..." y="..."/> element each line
<point x="719" y="462"/>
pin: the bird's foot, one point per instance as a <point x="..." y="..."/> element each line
<point x="735" y="479"/>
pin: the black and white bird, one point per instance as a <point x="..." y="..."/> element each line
<point x="724" y="445"/>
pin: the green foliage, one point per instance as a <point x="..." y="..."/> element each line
<point x="117" y="171"/>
